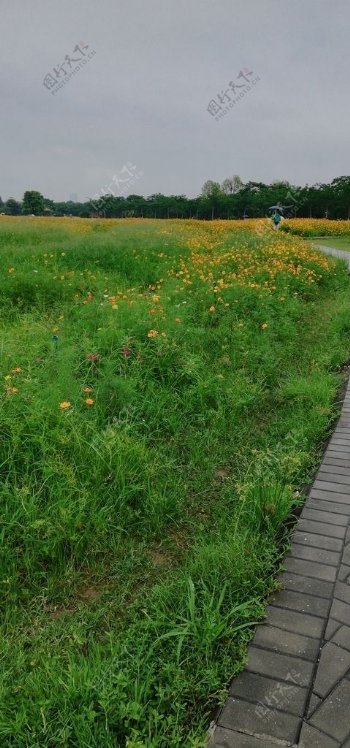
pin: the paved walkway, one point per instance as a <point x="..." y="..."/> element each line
<point x="342" y="254"/>
<point x="295" y="689"/>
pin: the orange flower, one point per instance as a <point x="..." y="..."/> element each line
<point x="87" y="389"/>
<point x="264" y="326"/>
<point x="65" y="404"/>
<point x="89" y="401"/>
<point x="177" y="319"/>
<point x="152" y="333"/>
<point x="212" y="309"/>
<point x="17" y="370"/>
<point x="152" y="311"/>
<point x="11" y="390"/>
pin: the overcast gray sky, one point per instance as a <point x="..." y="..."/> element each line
<point x="142" y="98"/>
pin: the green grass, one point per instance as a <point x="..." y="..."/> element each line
<point x="335" y="241"/>
<point x="141" y="533"/>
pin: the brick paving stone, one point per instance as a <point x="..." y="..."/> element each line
<point x="291" y="620"/>
<point x="325" y="506"/>
<point x="310" y="737"/>
<point x="339" y="470"/>
<point x="315" y="606"/>
<point x="317" y="515"/>
<point x="346" y="555"/>
<point x="317" y="541"/>
<point x="251" y="687"/>
<point x="329" y="485"/>
<point x="333" y="664"/>
<point x="310" y="569"/>
<point x="317" y="493"/>
<point x="287" y="642"/>
<point x="245" y="718"/>
<point x="333" y="716"/>
<point x="343" y="572"/>
<point x="341" y="612"/>
<point x="314" y="703"/>
<point x="279" y="666"/>
<point x="333" y="531"/>
<point x="230" y="739"/>
<point x="314" y="554"/>
<point x="336" y="461"/>
<point x="334" y="477"/>
<point x="342" y="637"/>
<point x="332" y="627"/>
<point x="318" y="587"/>
<point x="342" y="592"/>
<point x="339" y="450"/>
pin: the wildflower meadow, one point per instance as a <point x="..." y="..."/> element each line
<point x="167" y="387"/>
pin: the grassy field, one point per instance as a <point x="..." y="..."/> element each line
<point x="338" y="242"/>
<point x="166" y="388"/>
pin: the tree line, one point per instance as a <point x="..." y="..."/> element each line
<point x="230" y="200"/>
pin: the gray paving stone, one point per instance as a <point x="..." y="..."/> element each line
<point x="310" y="737"/>
<point x="333" y="531"/>
<point x="334" y="477"/>
<point x="310" y="569"/>
<point x="320" y="555"/>
<point x="251" y="687"/>
<point x="333" y="664"/>
<point x="342" y="592"/>
<point x="329" y="485"/>
<point x="245" y="718"/>
<point x="346" y="555"/>
<point x="279" y="640"/>
<point x="317" y="493"/>
<point x="334" y="507"/>
<point x="333" y="716"/>
<point x="279" y="666"/>
<point x="341" y="612"/>
<point x="337" y="461"/>
<point x="314" y="703"/>
<point x="326" y="506"/>
<point x="332" y="627"/>
<point x="291" y="620"/>
<point x="315" y="606"/>
<point x="230" y="739"/>
<point x="344" y="572"/>
<point x="317" y="515"/>
<point x="342" y="637"/>
<point x="318" y="587"/>
<point x="338" y="469"/>
<point x="317" y="541"/>
<point x="334" y="447"/>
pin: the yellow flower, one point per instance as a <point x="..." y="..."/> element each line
<point x="17" y="370"/>
<point x="89" y="401"/>
<point x="87" y="389"/>
<point x="264" y="326"/>
<point x="11" y="390"/>
<point x="11" y="270"/>
<point x="65" y="404"/>
<point x="212" y="309"/>
<point x="152" y="333"/>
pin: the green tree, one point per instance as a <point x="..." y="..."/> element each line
<point x="33" y="203"/>
<point x="12" y="207"/>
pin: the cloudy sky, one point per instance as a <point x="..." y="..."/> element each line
<point x="141" y="100"/>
